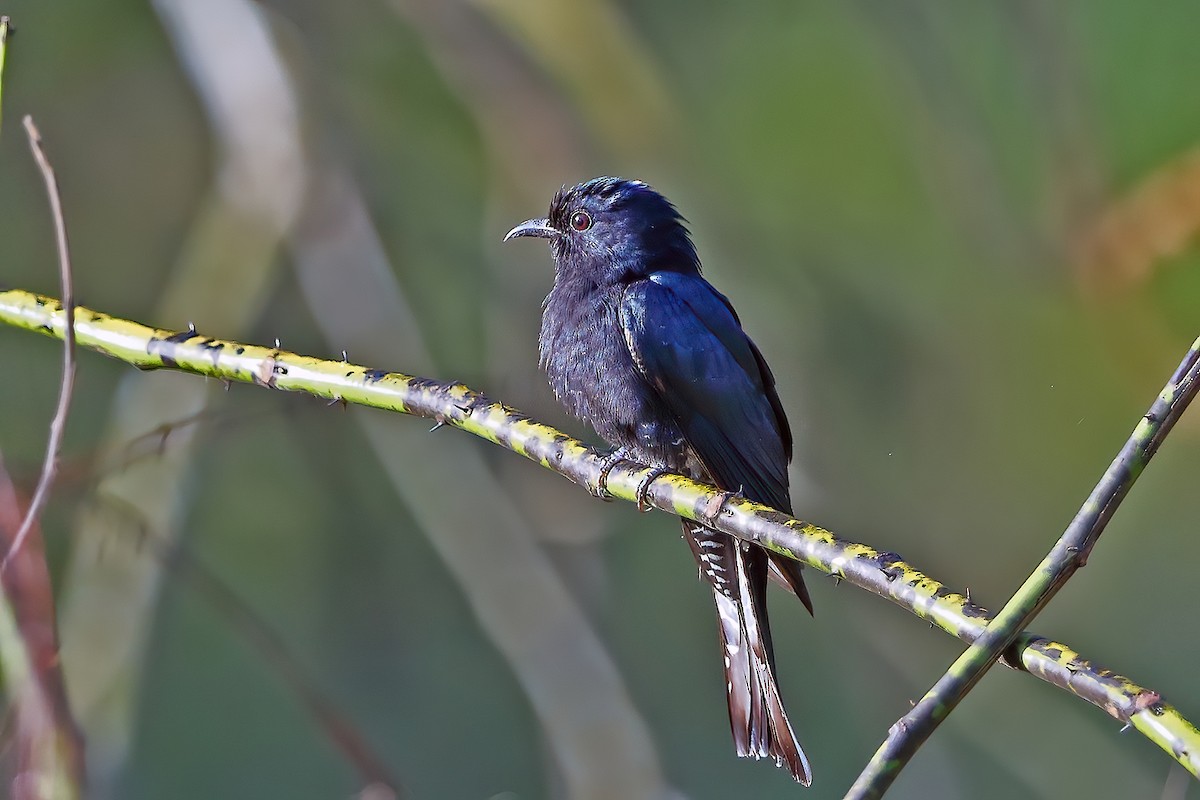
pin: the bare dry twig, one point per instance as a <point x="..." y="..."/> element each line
<point x="59" y="424"/>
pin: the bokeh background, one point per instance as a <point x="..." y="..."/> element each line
<point x="963" y="235"/>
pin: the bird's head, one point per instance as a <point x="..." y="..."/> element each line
<point x="610" y="230"/>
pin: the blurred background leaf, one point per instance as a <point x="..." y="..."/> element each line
<point x="964" y="236"/>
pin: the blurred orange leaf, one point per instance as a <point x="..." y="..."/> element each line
<point x="1158" y="219"/>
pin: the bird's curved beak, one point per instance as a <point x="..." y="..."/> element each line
<point x="532" y="227"/>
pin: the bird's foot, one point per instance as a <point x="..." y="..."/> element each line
<point x="610" y="461"/>
<point x="643" y="489"/>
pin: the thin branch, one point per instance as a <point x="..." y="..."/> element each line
<point x="1069" y="553"/>
<point x="885" y="574"/>
<point x="153" y="443"/>
<point x="50" y="759"/>
<point x="58" y="425"/>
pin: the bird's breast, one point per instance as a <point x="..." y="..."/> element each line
<point x="594" y="375"/>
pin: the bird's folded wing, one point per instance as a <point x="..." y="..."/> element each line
<point x="691" y="349"/>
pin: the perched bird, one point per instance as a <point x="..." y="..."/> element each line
<point x="638" y="344"/>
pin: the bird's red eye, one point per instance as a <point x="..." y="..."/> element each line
<point x="581" y="221"/>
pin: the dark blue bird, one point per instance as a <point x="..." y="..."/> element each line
<point x="637" y="343"/>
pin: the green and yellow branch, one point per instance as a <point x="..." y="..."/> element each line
<point x="1069" y="553"/>
<point x="452" y="404"/>
<point x="6" y="30"/>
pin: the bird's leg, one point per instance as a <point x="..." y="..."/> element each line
<point x="611" y="460"/>
<point x="643" y="489"/>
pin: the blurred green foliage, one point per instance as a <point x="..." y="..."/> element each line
<point x="900" y="198"/>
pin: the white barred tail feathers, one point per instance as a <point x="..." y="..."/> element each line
<point x="738" y="576"/>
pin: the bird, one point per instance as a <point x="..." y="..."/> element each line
<point x="638" y="344"/>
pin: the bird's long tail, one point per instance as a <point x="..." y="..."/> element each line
<point x="738" y="575"/>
